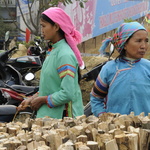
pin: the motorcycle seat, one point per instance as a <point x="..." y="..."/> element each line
<point x="7" y="110"/>
<point x="25" y="89"/>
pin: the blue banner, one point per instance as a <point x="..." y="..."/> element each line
<point x="109" y="14"/>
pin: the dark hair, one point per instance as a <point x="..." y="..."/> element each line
<point x="121" y="55"/>
<point x="47" y="19"/>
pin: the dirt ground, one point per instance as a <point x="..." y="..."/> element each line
<point x="86" y="86"/>
<point x="87" y="48"/>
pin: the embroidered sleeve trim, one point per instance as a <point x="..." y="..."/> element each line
<point x="66" y="69"/>
<point x="50" y="102"/>
<point x="100" y="89"/>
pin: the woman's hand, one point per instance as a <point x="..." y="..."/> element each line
<point x="24" y="104"/>
<point x="37" y="102"/>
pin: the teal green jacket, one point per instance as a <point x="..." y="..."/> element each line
<point x="59" y="81"/>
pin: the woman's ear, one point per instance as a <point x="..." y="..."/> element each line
<point x="125" y="47"/>
<point x="56" y="26"/>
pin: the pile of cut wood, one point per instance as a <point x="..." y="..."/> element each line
<point x="108" y="132"/>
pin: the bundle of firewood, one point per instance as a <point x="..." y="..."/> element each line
<point x="108" y="132"/>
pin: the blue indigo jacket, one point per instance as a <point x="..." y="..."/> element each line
<point x="121" y="87"/>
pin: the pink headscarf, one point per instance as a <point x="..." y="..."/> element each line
<point x="73" y="37"/>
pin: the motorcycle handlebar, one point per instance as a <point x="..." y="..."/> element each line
<point x="5" y="55"/>
<point x="12" y="49"/>
<point x="37" y="44"/>
<point x="37" y="40"/>
<point x="84" y="76"/>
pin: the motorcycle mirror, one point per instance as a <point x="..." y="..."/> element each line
<point x="111" y="48"/>
<point x="7" y="36"/>
<point x="29" y="76"/>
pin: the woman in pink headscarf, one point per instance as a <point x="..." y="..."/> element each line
<point x="59" y="88"/>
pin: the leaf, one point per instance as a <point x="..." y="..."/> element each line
<point x="70" y="1"/>
<point x="81" y="4"/>
<point x="67" y="1"/>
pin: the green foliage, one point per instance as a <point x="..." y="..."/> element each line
<point x="42" y="43"/>
<point x="37" y="37"/>
<point x="4" y="27"/>
<point x="32" y="43"/>
<point x="27" y="45"/>
<point x="66" y="2"/>
<point x="43" y="5"/>
<point x="81" y="2"/>
<point x="128" y="20"/>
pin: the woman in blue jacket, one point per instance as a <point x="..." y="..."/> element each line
<point x="123" y="84"/>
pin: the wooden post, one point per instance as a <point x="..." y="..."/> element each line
<point x="89" y="135"/>
<point x="54" y="140"/>
<point x="111" y="145"/>
<point x="83" y="147"/>
<point x="144" y="140"/>
<point x="92" y="145"/>
<point x="82" y="138"/>
<point x="22" y="147"/>
<point x="129" y="141"/>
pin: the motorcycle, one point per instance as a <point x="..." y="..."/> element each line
<point x="11" y="97"/>
<point x="12" y="88"/>
<point x="31" y="63"/>
<point x="15" y="94"/>
<point x="8" y="74"/>
<point x="7" y="113"/>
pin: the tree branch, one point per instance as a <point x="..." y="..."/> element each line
<point x="23" y="17"/>
<point x="15" y="23"/>
<point x="30" y="12"/>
